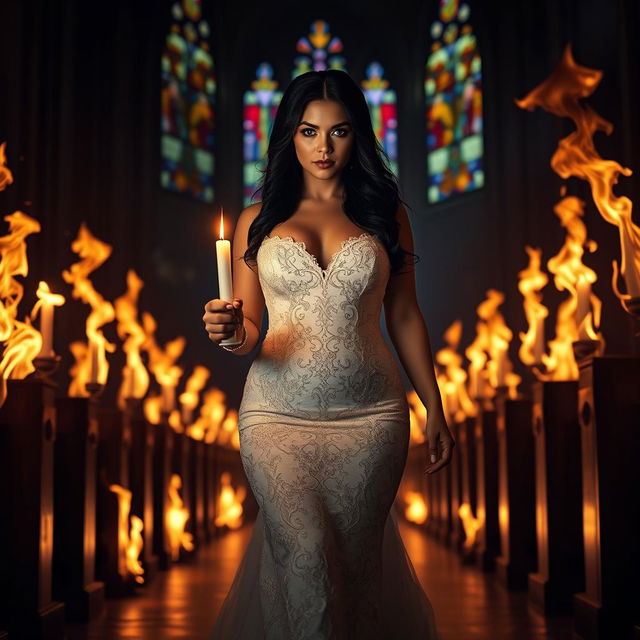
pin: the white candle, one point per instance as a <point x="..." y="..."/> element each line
<point x="94" y="358"/>
<point x="631" y="270"/>
<point x="584" y="304"/>
<point x="225" y="281"/>
<point x="46" y="328"/>
<point x="538" y="347"/>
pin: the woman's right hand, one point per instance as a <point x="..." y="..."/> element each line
<point x="222" y="318"/>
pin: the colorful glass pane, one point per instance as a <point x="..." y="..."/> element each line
<point x="319" y="50"/>
<point x="260" y="106"/>
<point x="187" y="104"/>
<point x="382" y="106"/>
<point x="453" y="91"/>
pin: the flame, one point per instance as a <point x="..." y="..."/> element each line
<point x="162" y="361"/>
<point x="476" y="352"/>
<point x="46" y="297"/>
<point x="176" y="519"/>
<point x="569" y="270"/>
<point x="470" y="525"/>
<point x="152" y="408"/>
<point x="23" y="341"/>
<point x="499" y="336"/>
<point x="230" y="503"/>
<point x="459" y="403"/>
<point x="416" y="510"/>
<point x="135" y="378"/>
<point x="190" y="397"/>
<point x="228" y="435"/>
<point x="532" y="280"/>
<point x="577" y="156"/>
<point x="417" y="418"/>
<point x="6" y="177"/>
<point x="93" y="254"/>
<point x="212" y="412"/>
<point x="130" y="542"/>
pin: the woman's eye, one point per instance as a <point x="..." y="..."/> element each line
<point x="341" y="131"/>
<point x="305" y="130"/>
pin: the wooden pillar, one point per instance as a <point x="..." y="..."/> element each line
<point x="27" y="436"/>
<point x="556" y="432"/>
<point x="609" y="414"/>
<point x="456" y="534"/>
<point x="210" y="472"/>
<point x="516" y="493"/>
<point x="197" y="493"/>
<point x="162" y="457"/>
<point x="486" y="445"/>
<point x="74" y="555"/>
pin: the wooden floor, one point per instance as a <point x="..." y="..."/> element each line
<point x="184" y="602"/>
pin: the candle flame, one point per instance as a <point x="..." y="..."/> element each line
<point x="221" y="223"/>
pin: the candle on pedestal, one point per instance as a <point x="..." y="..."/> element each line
<point x="94" y="359"/>
<point x="538" y="346"/>
<point x="46" y="302"/>
<point x="583" y="304"/>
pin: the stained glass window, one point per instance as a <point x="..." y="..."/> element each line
<point x="382" y="106"/>
<point x="187" y="104"/>
<point x="260" y="106"/>
<point x="453" y="90"/>
<point x="319" y="50"/>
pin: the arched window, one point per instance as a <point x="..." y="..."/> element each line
<point x="260" y="106"/>
<point x="187" y="104"/>
<point x="318" y="50"/>
<point x="453" y="90"/>
<point x="382" y="106"/>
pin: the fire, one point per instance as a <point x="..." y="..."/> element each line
<point x="176" y="519"/>
<point x="212" y="413"/>
<point x="416" y="510"/>
<point x="499" y="337"/>
<point x="571" y="275"/>
<point x="577" y="156"/>
<point x="6" y="177"/>
<point x="228" y="435"/>
<point x="22" y="341"/>
<point x="152" y="407"/>
<point x="532" y="280"/>
<point x="135" y="378"/>
<point x="162" y="361"/>
<point x="470" y="524"/>
<point x="459" y="403"/>
<point x="230" y="503"/>
<point x="91" y="364"/>
<point x="130" y="542"/>
<point x="417" y="418"/>
<point x="476" y="352"/>
<point x="190" y="397"/>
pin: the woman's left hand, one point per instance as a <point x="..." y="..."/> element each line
<point x="439" y="442"/>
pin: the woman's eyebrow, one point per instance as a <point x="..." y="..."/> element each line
<point x="315" y="126"/>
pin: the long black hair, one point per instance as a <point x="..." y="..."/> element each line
<point x="370" y="187"/>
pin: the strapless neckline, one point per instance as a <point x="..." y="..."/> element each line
<point x="301" y="245"/>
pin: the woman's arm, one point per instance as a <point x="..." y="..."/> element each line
<point x="408" y="332"/>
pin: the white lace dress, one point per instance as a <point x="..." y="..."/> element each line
<point x="324" y="433"/>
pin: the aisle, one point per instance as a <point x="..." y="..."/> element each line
<point x="184" y="602"/>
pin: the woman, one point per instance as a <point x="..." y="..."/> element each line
<point x="324" y="420"/>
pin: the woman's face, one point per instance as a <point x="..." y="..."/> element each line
<point x="323" y="133"/>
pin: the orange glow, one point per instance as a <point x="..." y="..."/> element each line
<point x="499" y="336"/>
<point x="135" y="378"/>
<point x="152" y="407"/>
<point x="190" y="397"/>
<point x="476" y="352"/>
<point x="470" y="524"/>
<point x="221" y="223"/>
<point x="576" y="155"/>
<point x="230" y="503"/>
<point x="23" y="341"/>
<point x="130" y="542"/>
<point x="176" y="519"/>
<point x="162" y="361"/>
<point x="416" y="509"/>
<point x="459" y="403"/>
<point x="212" y="412"/>
<point x="531" y="281"/>
<point x="6" y="177"/>
<point x="228" y="435"/>
<point x="417" y="418"/>
<point x="92" y="362"/>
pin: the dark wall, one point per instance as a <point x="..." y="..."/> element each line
<point x="80" y="115"/>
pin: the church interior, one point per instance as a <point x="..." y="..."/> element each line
<point x="131" y="137"/>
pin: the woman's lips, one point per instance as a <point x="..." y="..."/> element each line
<point x="324" y="165"/>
